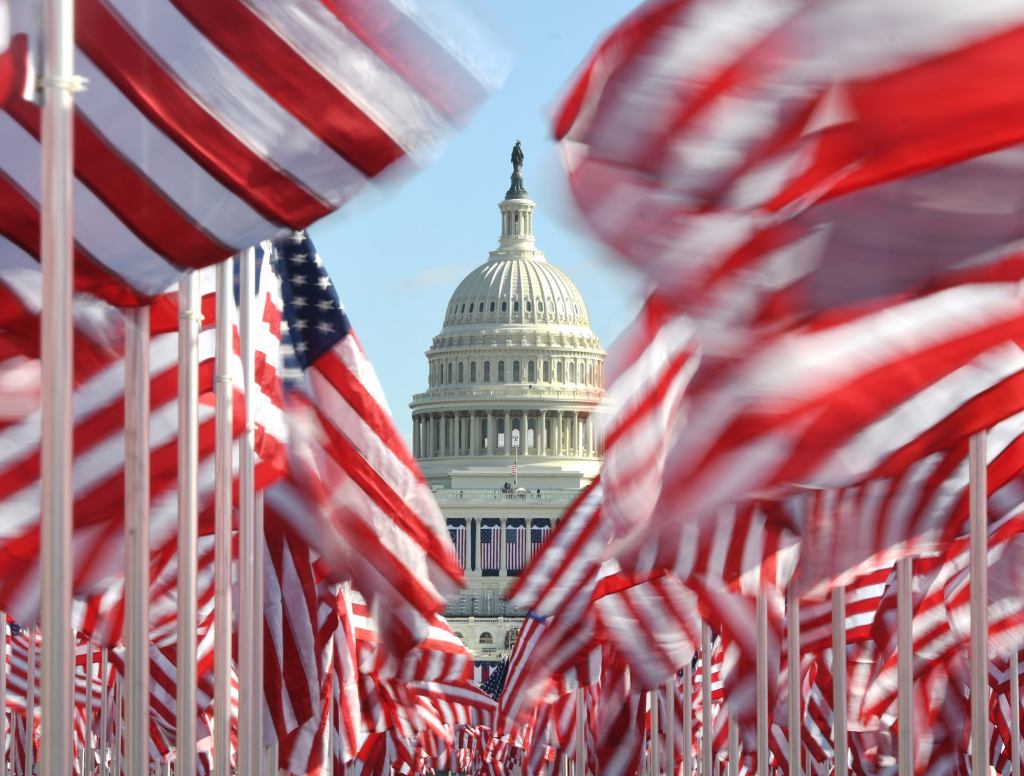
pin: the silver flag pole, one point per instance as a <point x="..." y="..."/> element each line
<point x="670" y="724"/>
<point x="793" y="674"/>
<point x="189" y="319"/>
<point x="56" y="340"/>
<point x="249" y="631"/>
<point x="762" y="682"/>
<point x="655" y="735"/>
<point x="104" y="711"/>
<point x="978" y="494"/>
<point x="707" y="737"/>
<point x="30" y="702"/>
<point x="87" y="749"/>
<point x="4" y="757"/>
<point x="688" y="720"/>
<point x="1015" y="716"/>
<point x="581" y="746"/>
<point x="839" y="700"/>
<point x="904" y="666"/>
<point x="222" y="522"/>
<point x="136" y="530"/>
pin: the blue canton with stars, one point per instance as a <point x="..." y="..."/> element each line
<point x="316" y="320"/>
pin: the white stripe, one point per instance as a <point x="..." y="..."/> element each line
<point x="200" y="196"/>
<point x="229" y="95"/>
<point x="110" y="243"/>
<point x="368" y="82"/>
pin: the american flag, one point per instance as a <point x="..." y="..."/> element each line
<point x="205" y="129"/>
<point x="515" y="546"/>
<point x="495" y="683"/>
<point x="490" y="548"/>
<point x="354" y="493"/>
<point x="539" y="530"/>
<point x="457" y="532"/>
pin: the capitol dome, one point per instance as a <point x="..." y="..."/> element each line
<point x="515" y="371"/>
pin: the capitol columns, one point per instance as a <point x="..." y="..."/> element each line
<point x="557" y="448"/>
<point x="474" y="433"/>
<point x="543" y="433"/>
<point x="430" y="435"/>
<point x="492" y="433"/>
<point x="590" y="435"/>
<point x="507" y="449"/>
<point x="524" y="436"/>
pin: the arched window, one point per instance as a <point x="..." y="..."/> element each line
<point x="515" y="372"/>
<point x="558" y="372"/>
<point x="504" y="307"/>
<point x="462" y="377"/>
<point x="486" y="638"/>
<point x="515" y="306"/>
<point x="471" y="307"/>
<point x="487" y="371"/>
<point x="547" y="371"/>
<point x="501" y="371"/>
<point x="540" y="307"/>
<point x="472" y="371"/>
<point x="572" y="371"/>
<point x="458" y="635"/>
<point x="492" y="307"/>
<point x="531" y="372"/>
<point x="529" y="306"/>
<point x="449" y="371"/>
<point x="463" y="308"/>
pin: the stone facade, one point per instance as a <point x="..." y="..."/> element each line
<point x="514" y="377"/>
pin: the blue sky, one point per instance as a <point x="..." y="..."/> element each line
<point x="397" y="255"/>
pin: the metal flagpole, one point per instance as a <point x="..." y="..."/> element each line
<point x="707" y="735"/>
<point x="977" y="464"/>
<point x="3" y="696"/>
<point x="904" y="666"/>
<point x="87" y="749"/>
<point x="30" y="701"/>
<point x="793" y="675"/>
<point x="222" y="523"/>
<point x="136" y="530"/>
<point x="248" y="623"/>
<point x="688" y="720"/>
<point x="257" y="687"/>
<point x="104" y="719"/>
<point x="56" y="341"/>
<point x="189" y="319"/>
<point x="581" y="753"/>
<point x="839" y="701"/>
<point x="733" y="767"/>
<point x="655" y="735"/>
<point x="119" y="725"/>
<point x="1015" y="715"/>
<point x="670" y="725"/>
<point x="762" y="683"/>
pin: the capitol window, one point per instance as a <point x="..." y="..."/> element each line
<point x="462" y="378"/>
<point x="572" y="372"/>
<point x="515" y="372"/>
<point x="449" y="372"/>
<point x="487" y="371"/>
<point x="492" y="307"/>
<point x="531" y="372"/>
<point x="501" y="371"/>
<point x="515" y="307"/>
<point x="529" y="306"/>
<point x="540" y="307"/>
<point x="547" y="371"/>
<point x="558" y="372"/>
<point x="463" y="310"/>
<point x="504" y="307"/>
<point x="472" y="371"/>
<point x="470" y="307"/>
<point x="486" y="638"/>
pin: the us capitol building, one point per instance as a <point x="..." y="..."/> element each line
<point x="514" y="382"/>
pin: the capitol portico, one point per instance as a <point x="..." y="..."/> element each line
<point x="515" y="377"/>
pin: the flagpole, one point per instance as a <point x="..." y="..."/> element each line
<point x="733" y="766"/>
<point x="977" y="464"/>
<point x="655" y="736"/>
<point x="136" y="531"/>
<point x="904" y="666"/>
<point x="707" y="754"/>
<point x="56" y="341"/>
<point x="87" y="754"/>
<point x="30" y="700"/>
<point x="839" y="701"/>
<point x="670" y="725"/>
<point x="3" y="696"/>
<point x="793" y="674"/>
<point x="222" y="522"/>
<point x="119" y="726"/>
<point x="104" y="719"/>
<point x="688" y="720"/>
<point x="581" y="755"/>
<point x="257" y="690"/>
<point x="189" y="319"/>
<point x="1015" y="715"/>
<point x="248" y="631"/>
<point x="762" y="682"/>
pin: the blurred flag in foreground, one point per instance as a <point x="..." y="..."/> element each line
<point x="204" y="128"/>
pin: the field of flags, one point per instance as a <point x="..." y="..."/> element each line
<point x="804" y="551"/>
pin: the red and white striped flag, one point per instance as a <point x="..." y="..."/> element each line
<point x="205" y="130"/>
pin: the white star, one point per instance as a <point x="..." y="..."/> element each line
<point x="324" y="282"/>
<point x="302" y="347"/>
<point x="298" y="257"/>
<point x="298" y="237"/>
<point x="298" y="280"/>
<point x="299" y="301"/>
<point x="300" y="324"/>
<point x="324" y="304"/>
<point x="325" y="327"/>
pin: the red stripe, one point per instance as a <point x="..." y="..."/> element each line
<point x="123" y="58"/>
<point x="130" y="195"/>
<point x="19" y="223"/>
<point x="412" y="53"/>
<point x="293" y="83"/>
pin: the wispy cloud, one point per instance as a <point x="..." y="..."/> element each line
<point x="441" y="275"/>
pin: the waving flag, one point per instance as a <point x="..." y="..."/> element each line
<point x="205" y="129"/>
